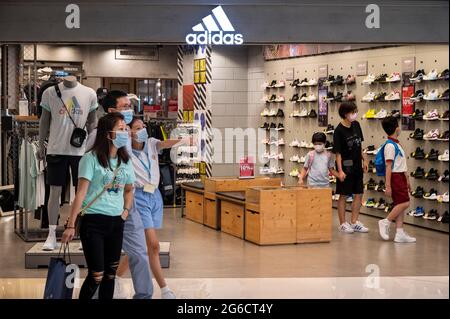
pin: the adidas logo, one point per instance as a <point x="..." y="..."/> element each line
<point x="215" y="29"/>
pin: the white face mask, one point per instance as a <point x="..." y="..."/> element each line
<point x="352" y="117"/>
<point x="319" y="148"/>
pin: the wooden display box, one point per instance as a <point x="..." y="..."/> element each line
<point x="232" y="219"/>
<point x="212" y="216"/>
<point x="194" y="206"/>
<point x="287" y="215"/>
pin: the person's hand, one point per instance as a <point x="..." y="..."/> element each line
<point x="68" y="235"/>
<point x="341" y="176"/>
<point x="408" y="184"/>
<point x="365" y="166"/>
<point x="300" y="182"/>
<point x="125" y="214"/>
<point x="388" y="191"/>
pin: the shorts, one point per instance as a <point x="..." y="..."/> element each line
<point x="150" y="207"/>
<point x="353" y="184"/>
<point x="58" y="169"/>
<point x="399" y="186"/>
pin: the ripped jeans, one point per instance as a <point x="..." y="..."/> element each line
<point x="101" y="237"/>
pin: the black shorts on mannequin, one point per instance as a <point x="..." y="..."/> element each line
<point x="353" y="184"/>
<point x="58" y="168"/>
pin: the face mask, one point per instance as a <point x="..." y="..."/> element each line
<point x="319" y="148"/>
<point x="128" y="116"/>
<point x="399" y="131"/>
<point x="141" y="135"/>
<point x="121" y="139"/>
<point x="352" y="117"/>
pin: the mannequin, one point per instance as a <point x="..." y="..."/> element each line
<point x="56" y="125"/>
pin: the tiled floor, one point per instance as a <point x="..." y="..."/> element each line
<point x="207" y="263"/>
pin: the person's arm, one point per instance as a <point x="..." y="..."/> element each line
<point x="69" y="233"/>
<point x="408" y="182"/>
<point x="128" y="200"/>
<point x="44" y="129"/>
<point x="388" y="191"/>
<point x="334" y="172"/>
<point x="91" y="122"/>
<point x="171" y="143"/>
<point x="302" y="176"/>
<point x="341" y="175"/>
<point x="365" y="161"/>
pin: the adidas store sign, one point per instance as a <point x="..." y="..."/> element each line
<point x="219" y="30"/>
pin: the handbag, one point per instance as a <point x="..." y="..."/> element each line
<point x="79" y="134"/>
<point x="83" y="210"/>
<point x="57" y="285"/>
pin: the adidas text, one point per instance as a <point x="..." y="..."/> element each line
<point x="215" y="38"/>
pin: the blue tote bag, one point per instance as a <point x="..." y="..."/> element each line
<point x="57" y="285"/>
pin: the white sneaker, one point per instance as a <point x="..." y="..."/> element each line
<point x="346" y="228"/>
<point x="443" y="198"/>
<point x="311" y="98"/>
<point x="310" y="145"/>
<point x="50" y="244"/>
<point x="45" y="70"/>
<point x="402" y="237"/>
<point x="303" y="144"/>
<point x="265" y="112"/>
<point x="393" y="96"/>
<point x="280" y="84"/>
<point x="312" y="82"/>
<point x="359" y="227"/>
<point x="280" y="141"/>
<point x="432" y="135"/>
<point x="294" y="158"/>
<point x="432" y="75"/>
<point x="369" y="79"/>
<point x="381" y="114"/>
<point x="295" y="114"/>
<point x="302" y="159"/>
<point x="444" y="157"/>
<point x="303" y="112"/>
<point x="294" y="143"/>
<point x="368" y="97"/>
<point x="384" y="226"/>
<point x="168" y="294"/>
<point x="119" y="289"/>
<point x="280" y="156"/>
<point x="279" y="99"/>
<point x="431" y="115"/>
<point x="433" y="95"/>
<point x="394" y="77"/>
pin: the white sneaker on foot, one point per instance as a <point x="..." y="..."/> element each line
<point x="346" y="228"/>
<point x="384" y="226"/>
<point x="50" y="244"/>
<point x="359" y="227"/>
<point x="167" y="294"/>
<point x="402" y="237"/>
<point x="119" y="289"/>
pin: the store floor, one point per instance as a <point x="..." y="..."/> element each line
<point x="201" y="257"/>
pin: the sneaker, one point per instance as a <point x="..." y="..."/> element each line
<point x="369" y="97"/>
<point x="310" y="145"/>
<point x="418" y="115"/>
<point x="329" y="81"/>
<point x="431" y="195"/>
<point x="312" y="82"/>
<point x="380" y="96"/>
<point x="418" y="192"/>
<point x="402" y="237"/>
<point x="302" y="159"/>
<point x="294" y="172"/>
<point x="272" y="84"/>
<point x="350" y="79"/>
<point x="280" y="142"/>
<point x="346" y="228"/>
<point x="359" y="227"/>
<point x="431" y="76"/>
<point x="280" y="170"/>
<point x="279" y="99"/>
<point x="338" y="97"/>
<point x="381" y="187"/>
<point x="418" y="96"/>
<point x="50" y="244"/>
<point x="303" y="144"/>
<point x="444" y="116"/>
<point x="372" y="168"/>
<point x="381" y="114"/>
<point x="304" y="82"/>
<point x="330" y="96"/>
<point x="431" y="215"/>
<point x="418" y="76"/>
<point x="303" y="98"/>
<point x="312" y="113"/>
<point x="272" y="98"/>
<point x="418" y="154"/>
<point x="444" y="136"/>
<point x="45" y="70"/>
<point x="419" y="210"/>
<point x="294" y="143"/>
<point x="294" y="158"/>
<point x="369" y="79"/>
<point x="120" y="291"/>
<point x="311" y="98"/>
<point x="444" y="177"/>
<point x="329" y="130"/>
<point x="295" y="83"/>
<point x="382" y="204"/>
<point x="303" y="113"/>
<point x="349" y="199"/>
<point x="280" y="127"/>
<point x="349" y="96"/>
<point x="339" y="80"/>
<point x="265" y="141"/>
<point x="279" y="156"/>
<point x="444" y="218"/>
<point x="280" y="84"/>
<point x="370" y="114"/>
<point x="393" y="96"/>
<point x="383" y="227"/>
<point x="381" y="78"/>
<point x="280" y="113"/>
<point x="443" y="198"/>
<point x="295" y="114"/>
<point x="329" y="145"/>
<point x="418" y="173"/>
<point x="444" y="156"/>
<point x="433" y="95"/>
<point x="369" y="149"/>
<point x="168" y="294"/>
<point x="433" y="155"/>
<point x="432" y="175"/>
<point x="294" y="98"/>
<point x="265" y="126"/>
<point x="443" y="75"/>
<point x="431" y="115"/>
<point x="395" y="113"/>
<point x="272" y="113"/>
<point x="265" y="112"/>
<point x="371" y="184"/>
<point x="417" y="134"/>
<point x="370" y="202"/>
<point x="272" y="126"/>
<point x="394" y="77"/>
<point x="432" y="135"/>
<point x="444" y="95"/>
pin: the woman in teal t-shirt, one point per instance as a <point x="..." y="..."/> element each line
<point x="105" y="187"/>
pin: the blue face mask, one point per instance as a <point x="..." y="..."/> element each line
<point x="141" y="135"/>
<point x="128" y="116"/>
<point x="121" y="139"/>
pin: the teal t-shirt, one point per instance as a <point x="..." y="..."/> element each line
<point x="111" y="202"/>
